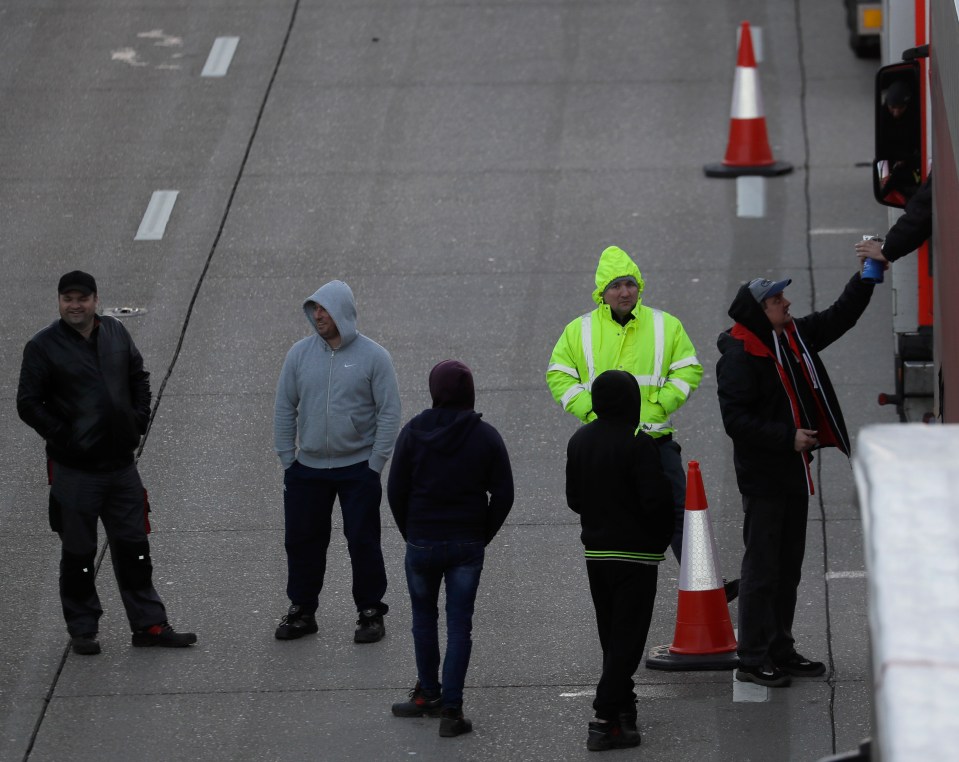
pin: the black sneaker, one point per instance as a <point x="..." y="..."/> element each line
<point x="296" y="624"/>
<point x="798" y="665"/>
<point x="732" y="590"/>
<point x="163" y="635"/>
<point x="369" y="627"/>
<point x="771" y="677"/>
<point x="86" y="644"/>
<point x="421" y="704"/>
<point x="611" y="735"/>
<point x="453" y="723"/>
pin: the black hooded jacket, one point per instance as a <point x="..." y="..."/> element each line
<point x="90" y="400"/>
<point x="758" y="405"/>
<point x="615" y="480"/>
<point x="450" y="478"/>
<point x="914" y="227"/>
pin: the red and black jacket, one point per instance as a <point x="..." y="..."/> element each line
<point x="758" y="399"/>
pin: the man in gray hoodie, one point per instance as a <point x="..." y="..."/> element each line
<point x="336" y="418"/>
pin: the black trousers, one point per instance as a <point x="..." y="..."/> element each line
<point x="116" y="499"/>
<point x="623" y="596"/>
<point x="774" y="532"/>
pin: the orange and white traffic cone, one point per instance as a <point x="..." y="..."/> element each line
<point x="747" y="152"/>
<point x="704" y="636"/>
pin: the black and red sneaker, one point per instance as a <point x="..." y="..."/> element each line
<point x="420" y="704"/>
<point x="162" y="635"/>
<point x="611" y="735"/>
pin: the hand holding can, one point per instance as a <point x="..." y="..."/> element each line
<point x="872" y="269"/>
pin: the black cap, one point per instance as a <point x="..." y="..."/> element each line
<point x="77" y="281"/>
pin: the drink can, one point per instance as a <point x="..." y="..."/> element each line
<point x="872" y="269"/>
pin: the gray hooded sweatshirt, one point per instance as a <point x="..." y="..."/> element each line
<point x="336" y="407"/>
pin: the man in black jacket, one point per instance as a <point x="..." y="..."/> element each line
<point x="84" y="390"/>
<point x="778" y="405"/>
<point x="615" y="482"/>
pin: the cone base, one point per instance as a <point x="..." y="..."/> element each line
<point x="661" y="658"/>
<point x="728" y="170"/>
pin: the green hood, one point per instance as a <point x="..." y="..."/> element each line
<point x="615" y="263"/>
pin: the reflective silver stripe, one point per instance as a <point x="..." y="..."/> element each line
<point x="660" y="344"/>
<point x="699" y="543"/>
<point x="570" y="393"/>
<point x="564" y="369"/>
<point x="647" y="380"/>
<point x="679" y="384"/>
<point x="586" y="334"/>
<point x="656" y="426"/>
<point x="692" y="360"/>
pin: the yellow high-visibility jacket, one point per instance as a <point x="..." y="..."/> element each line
<point x="653" y="346"/>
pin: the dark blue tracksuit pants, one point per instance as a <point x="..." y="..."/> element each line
<point x="308" y="497"/>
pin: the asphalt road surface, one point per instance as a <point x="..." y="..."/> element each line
<point x="461" y="165"/>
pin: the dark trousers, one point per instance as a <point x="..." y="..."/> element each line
<point x="774" y="532"/>
<point x="308" y="496"/>
<point x="428" y="564"/>
<point x="116" y="499"/>
<point x="670" y="455"/>
<point x="623" y="596"/>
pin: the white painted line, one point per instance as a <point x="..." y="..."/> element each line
<point x="835" y="231"/>
<point x="576" y="694"/>
<point x="750" y="196"/>
<point x="846" y="575"/>
<point x="221" y="54"/>
<point x="749" y="693"/>
<point x="756" y="33"/>
<point x="155" y="218"/>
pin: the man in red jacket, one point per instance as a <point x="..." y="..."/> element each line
<point x="778" y="405"/>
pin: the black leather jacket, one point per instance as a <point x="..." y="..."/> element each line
<point x="90" y="400"/>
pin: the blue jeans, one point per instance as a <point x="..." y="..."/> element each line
<point x="308" y="496"/>
<point x="427" y="564"/>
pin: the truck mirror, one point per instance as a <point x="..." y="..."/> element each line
<point x="897" y="168"/>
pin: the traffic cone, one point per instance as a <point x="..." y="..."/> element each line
<point x="747" y="152"/>
<point x="704" y="636"/>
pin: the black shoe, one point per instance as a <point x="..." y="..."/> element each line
<point x="421" y="704"/>
<point x="369" y="627"/>
<point x="611" y="735"/>
<point x="798" y="665"/>
<point x="732" y="590"/>
<point x="453" y="723"/>
<point x="296" y="624"/>
<point x="163" y="635"/>
<point x="86" y="644"/>
<point x="771" y="677"/>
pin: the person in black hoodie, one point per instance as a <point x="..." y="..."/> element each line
<point x="615" y="482"/>
<point x="778" y="405"/>
<point x="450" y="490"/>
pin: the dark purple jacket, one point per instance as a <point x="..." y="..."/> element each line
<point x="450" y="478"/>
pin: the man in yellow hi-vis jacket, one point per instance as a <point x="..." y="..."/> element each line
<point x="623" y="334"/>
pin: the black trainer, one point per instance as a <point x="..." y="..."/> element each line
<point x="453" y="723"/>
<point x="732" y="590"/>
<point x="798" y="665"/>
<point x="297" y="623"/>
<point x="163" y="635"/>
<point x="771" y="677"/>
<point x="85" y="644"/>
<point x="421" y="704"/>
<point x="611" y="735"/>
<point x="369" y="627"/>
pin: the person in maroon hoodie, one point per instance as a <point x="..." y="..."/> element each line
<point x="450" y="489"/>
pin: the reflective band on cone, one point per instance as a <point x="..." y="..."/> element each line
<point x="704" y="636"/>
<point x="747" y="151"/>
